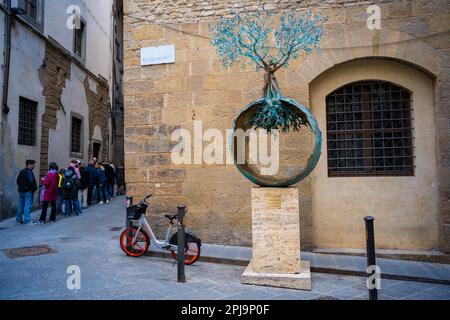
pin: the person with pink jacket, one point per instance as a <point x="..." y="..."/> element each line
<point x="50" y="193"/>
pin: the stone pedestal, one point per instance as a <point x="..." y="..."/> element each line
<point x="276" y="240"/>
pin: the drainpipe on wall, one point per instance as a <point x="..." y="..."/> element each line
<point x="5" y="108"/>
<point x="7" y="54"/>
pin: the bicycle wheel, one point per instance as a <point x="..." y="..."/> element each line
<point x="134" y="248"/>
<point x="191" y="253"/>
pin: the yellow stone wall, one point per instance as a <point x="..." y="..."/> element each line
<point x="406" y="208"/>
<point x="160" y="99"/>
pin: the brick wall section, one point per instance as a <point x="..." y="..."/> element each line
<point x="54" y="72"/>
<point x="161" y="98"/>
<point x="99" y="107"/>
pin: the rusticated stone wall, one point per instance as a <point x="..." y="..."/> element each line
<point x="54" y="72"/>
<point x="159" y="99"/>
<point x="99" y="108"/>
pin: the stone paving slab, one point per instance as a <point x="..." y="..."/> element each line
<point x="346" y="264"/>
<point x="107" y="274"/>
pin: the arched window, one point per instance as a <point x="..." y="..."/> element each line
<point x="370" y="130"/>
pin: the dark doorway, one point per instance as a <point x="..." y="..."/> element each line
<point x="96" y="149"/>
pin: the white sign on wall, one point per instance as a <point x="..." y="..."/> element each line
<point x="157" y="55"/>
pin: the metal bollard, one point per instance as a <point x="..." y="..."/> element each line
<point x="128" y="223"/>
<point x="129" y="202"/>
<point x="181" y="244"/>
<point x="370" y="247"/>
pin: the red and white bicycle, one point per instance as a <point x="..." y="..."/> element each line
<point x="135" y="241"/>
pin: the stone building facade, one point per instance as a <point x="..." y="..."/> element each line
<point x="411" y="51"/>
<point x="58" y="90"/>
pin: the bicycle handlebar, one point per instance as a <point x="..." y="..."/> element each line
<point x="147" y="197"/>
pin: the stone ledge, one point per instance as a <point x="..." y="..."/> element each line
<point x="300" y="281"/>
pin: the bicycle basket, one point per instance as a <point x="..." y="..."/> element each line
<point x="134" y="213"/>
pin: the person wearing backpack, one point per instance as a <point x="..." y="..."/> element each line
<point x="50" y="196"/>
<point x="27" y="186"/>
<point x="84" y="186"/>
<point x="59" y="203"/>
<point x="70" y="186"/>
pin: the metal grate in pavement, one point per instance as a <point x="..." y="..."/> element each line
<point x="327" y="298"/>
<point x="115" y="229"/>
<point x="28" y="251"/>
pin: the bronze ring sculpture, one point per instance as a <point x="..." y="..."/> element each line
<point x="252" y="39"/>
<point x="241" y="122"/>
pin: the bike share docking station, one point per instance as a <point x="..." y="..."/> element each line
<point x="135" y="240"/>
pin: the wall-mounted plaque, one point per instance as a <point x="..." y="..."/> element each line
<point x="157" y="55"/>
<point x="274" y="200"/>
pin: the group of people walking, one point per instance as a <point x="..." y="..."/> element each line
<point x="75" y="188"/>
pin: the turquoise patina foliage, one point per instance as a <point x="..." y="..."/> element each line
<point x="270" y="43"/>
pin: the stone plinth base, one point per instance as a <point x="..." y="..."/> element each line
<point x="276" y="240"/>
<point x="300" y="281"/>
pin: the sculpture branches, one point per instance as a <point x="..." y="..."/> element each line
<point x="269" y="44"/>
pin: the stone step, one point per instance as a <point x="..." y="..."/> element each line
<point x="332" y="263"/>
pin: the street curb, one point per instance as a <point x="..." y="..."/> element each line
<point x="345" y="272"/>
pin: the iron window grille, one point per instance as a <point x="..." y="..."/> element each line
<point x="77" y="129"/>
<point x="31" y="9"/>
<point x="34" y="13"/>
<point x="27" y="122"/>
<point x="79" y="39"/>
<point x="370" y="131"/>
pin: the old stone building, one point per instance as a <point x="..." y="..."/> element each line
<point x="403" y="176"/>
<point x="57" y="87"/>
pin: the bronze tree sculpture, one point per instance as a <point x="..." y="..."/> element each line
<point x="256" y="40"/>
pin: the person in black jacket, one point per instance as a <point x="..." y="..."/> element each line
<point x="111" y="176"/>
<point x="27" y="186"/>
<point x="92" y="181"/>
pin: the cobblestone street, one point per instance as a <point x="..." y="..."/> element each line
<point x="106" y="273"/>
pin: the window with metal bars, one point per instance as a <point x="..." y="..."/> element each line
<point x="79" y="39"/>
<point x="34" y="12"/>
<point x="31" y="9"/>
<point x="370" y="133"/>
<point x="77" y="129"/>
<point x="27" y="122"/>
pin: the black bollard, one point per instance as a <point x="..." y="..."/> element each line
<point x="181" y="244"/>
<point x="128" y="223"/>
<point x="370" y="246"/>
<point x="129" y="201"/>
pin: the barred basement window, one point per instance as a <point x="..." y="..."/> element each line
<point x="77" y="129"/>
<point x="27" y="122"/>
<point x="370" y="130"/>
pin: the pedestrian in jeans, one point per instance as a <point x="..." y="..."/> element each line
<point x="50" y="183"/>
<point x="27" y="186"/>
<point x="70" y="187"/>
<point x="84" y="185"/>
<point x="111" y="180"/>
<point x="92" y="181"/>
<point x="102" y="181"/>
